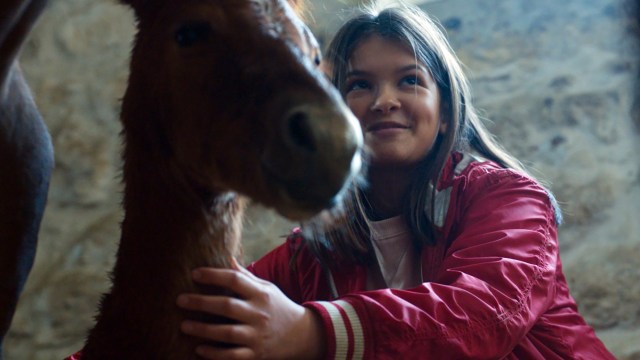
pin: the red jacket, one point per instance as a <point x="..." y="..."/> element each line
<point x="494" y="287"/>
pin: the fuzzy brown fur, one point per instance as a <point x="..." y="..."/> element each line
<point x="223" y="99"/>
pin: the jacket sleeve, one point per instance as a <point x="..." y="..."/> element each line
<point x="496" y="279"/>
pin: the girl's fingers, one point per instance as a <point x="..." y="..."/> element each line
<point x="236" y="266"/>
<point x="229" y="307"/>
<point x="237" y="334"/>
<point x="239" y="353"/>
<point x="240" y="282"/>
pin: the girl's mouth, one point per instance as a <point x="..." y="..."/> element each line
<point x="385" y="125"/>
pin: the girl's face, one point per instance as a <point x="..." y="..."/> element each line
<point x="396" y="101"/>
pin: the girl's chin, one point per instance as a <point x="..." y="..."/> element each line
<point x="395" y="162"/>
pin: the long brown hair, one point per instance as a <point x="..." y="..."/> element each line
<point x="347" y="237"/>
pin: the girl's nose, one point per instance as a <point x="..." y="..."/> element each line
<point x="385" y="101"/>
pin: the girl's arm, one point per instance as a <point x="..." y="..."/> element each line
<point x="495" y="281"/>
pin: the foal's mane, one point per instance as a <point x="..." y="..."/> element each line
<point x="300" y="7"/>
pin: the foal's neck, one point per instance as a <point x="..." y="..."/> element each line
<point x="168" y="230"/>
<point x="172" y="227"/>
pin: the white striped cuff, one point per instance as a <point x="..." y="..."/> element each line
<point x="347" y="328"/>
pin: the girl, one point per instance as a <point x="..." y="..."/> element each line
<point x="448" y="251"/>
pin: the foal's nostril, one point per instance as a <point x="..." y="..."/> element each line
<point x="300" y="131"/>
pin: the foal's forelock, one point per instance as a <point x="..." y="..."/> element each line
<point x="295" y="30"/>
<point x="281" y="18"/>
<point x="142" y="7"/>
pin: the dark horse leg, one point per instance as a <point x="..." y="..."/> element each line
<point x="26" y="160"/>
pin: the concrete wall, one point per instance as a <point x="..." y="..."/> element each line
<point x="557" y="79"/>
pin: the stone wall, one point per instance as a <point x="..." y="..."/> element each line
<point x="559" y="82"/>
<point x="557" y="79"/>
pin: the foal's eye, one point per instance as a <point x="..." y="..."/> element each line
<point x="189" y="35"/>
<point x="260" y="7"/>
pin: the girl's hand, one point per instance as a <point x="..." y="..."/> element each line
<point x="270" y="325"/>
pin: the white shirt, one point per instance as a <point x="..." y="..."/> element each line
<point x="398" y="261"/>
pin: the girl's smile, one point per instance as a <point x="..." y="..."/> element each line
<point x="384" y="127"/>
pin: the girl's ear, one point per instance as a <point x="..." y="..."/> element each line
<point x="446" y="109"/>
<point x="443" y="127"/>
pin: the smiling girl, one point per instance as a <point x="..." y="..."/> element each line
<point x="449" y="251"/>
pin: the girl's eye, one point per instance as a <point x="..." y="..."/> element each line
<point x="411" y="80"/>
<point x="357" y="85"/>
<point x="189" y="35"/>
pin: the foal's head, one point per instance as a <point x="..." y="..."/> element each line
<point x="228" y="92"/>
